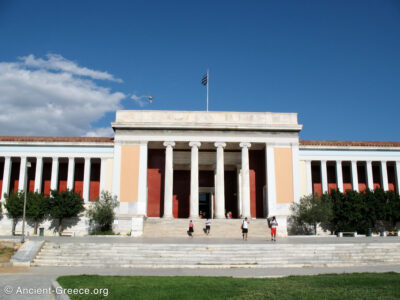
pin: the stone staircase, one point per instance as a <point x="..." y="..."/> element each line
<point x="220" y="228"/>
<point x="239" y="255"/>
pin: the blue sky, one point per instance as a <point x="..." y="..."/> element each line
<point x="335" y="63"/>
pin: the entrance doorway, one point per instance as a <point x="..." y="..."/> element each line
<point x="205" y="205"/>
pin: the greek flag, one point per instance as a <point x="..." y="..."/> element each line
<point x="204" y="80"/>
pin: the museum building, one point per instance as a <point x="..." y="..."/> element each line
<point x="165" y="165"/>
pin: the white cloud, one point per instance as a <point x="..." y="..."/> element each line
<point x="104" y="131"/>
<point x="36" y="100"/>
<point x="140" y="100"/>
<point x="56" y="62"/>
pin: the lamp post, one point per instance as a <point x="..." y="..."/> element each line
<point x="28" y="165"/>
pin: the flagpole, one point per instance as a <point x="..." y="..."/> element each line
<point x="208" y="80"/>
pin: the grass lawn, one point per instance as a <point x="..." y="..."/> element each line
<point x="6" y="252"/>
<point x="332" y="286"/>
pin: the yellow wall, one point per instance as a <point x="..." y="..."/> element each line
<point x="303" y="179"/>
<point x="129" y="173"/>
<point x="283" y="175"/>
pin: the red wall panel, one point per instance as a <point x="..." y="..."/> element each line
<point x="332" y="182"/>
<point x="376" y="174"/>
<point x="347" y="184"/>
<point x="62" y="176"/>
<point x="362" y="178"/>
<point x="257" y="182"/>
<point x="14" y="177"/>
<point x="31" y="177"/>
<point x="181" y="194"/>
<point x="316" y="178"/>
<point x="231" y="204"/>
<point x="155" y="182"/>
<point x="391" y="178"/>
<point x="46" y="178"/>
<point x="94" y="189"/>
<point x="78" y="178"/>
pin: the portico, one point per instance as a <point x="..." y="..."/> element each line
<point x="225" y="153"/>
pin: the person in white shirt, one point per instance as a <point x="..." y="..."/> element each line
<point x="208" y="226"/>
<point x="273" y="223"/>
<point x="245" y="228"/>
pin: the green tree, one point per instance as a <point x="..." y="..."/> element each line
<point x="312" y="210"/>
<point x="65" y="204"/>
<point x="14" y="204"/>
<point x="102" y="212"/>
<point x="393" y="209"/>
<point x="36" y="208"/>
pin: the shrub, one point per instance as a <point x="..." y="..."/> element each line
<point x="14" y="203"/>
<point x="36" y="208"/>
<point x="62" y="205"/>
<point x="312" y="210"/>
<point x="102" y="211"/>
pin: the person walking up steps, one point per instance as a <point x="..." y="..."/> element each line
<point x="191" y="229"/>
<point x="245" y="228"/>
<point x="273" y="223"/>
<point x="208" y="226"/>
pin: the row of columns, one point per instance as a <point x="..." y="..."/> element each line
<point x="194" y="180"/>
<point x="354" y="173"/>
<point x="54" y="175"/>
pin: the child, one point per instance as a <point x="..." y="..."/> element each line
<point x="245" y="228"/>
<point x="191" y="229"/>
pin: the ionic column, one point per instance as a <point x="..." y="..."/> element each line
<point x="309" y="177"/>
<point x="54" y="174"/>
<point x="142" y="189"/>
<point x="271" y="183"/>
<point x="103" y="174"/>
<point x="245" y="179"/>
<point x="239" y="190"/>
<point x="22" y="174"/>
<point x="397" y="176"/>
<point x="324" y="177"/>
<point x="370" y="179"/>
<point x="6" y="176"/>
<point x="384" y="174"/>
<point x="86" y="179"/>
<point x="354" y="175"/>
<point x="220" y="183"/>
<point x="38" y="174"/>
<point x="194" y="179"/>
<point x="71" y="171"/>
<point x="169" y="177"/>
<point x="339" y="175"/>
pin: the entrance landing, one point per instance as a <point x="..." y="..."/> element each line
<point x="220" y="228"/>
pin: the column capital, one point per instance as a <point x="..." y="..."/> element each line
<point x="195" y="144"/>
<point x="245" y="145"/>
<point x="220" y="144"/>
<point x="71" y="158"/>
<point x="169" y="143"/>
<point x="354" y="161"/>
<point x="383" y="161"/>
<point x="55" y="158"/>
<point x="339" y="160"/>
<point x="88" y="158"/>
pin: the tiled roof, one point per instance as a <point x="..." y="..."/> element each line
<point x="56" y="139"/>
<point x="349" y="143"/>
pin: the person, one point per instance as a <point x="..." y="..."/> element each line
<point x="229" y="215"/>
<point x="273" y="223"/>
<point x="208" y="226"/>
<point x="245" y="228"/>
<point x="191" y="229"/>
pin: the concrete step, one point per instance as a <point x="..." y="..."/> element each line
<point x="216" y="255"/>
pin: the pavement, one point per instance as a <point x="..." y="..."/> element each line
<point x="38" y="279"/>
<point x="198" y="239"/>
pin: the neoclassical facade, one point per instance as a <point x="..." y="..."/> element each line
<point x="182" y="164"/>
